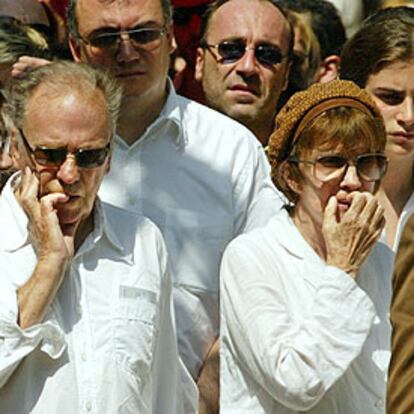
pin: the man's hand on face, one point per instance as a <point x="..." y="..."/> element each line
<point x="44" y="228"/>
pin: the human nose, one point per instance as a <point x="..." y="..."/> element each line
<point x="69" y="171"/>
<point x="247" y="63"/>
<point x="126" y="51"/>
<point x="406" y="113"/>
<point x="351" y="180"/>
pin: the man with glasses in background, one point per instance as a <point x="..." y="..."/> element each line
<point x="243" y="60"/>
<point x="85" y="299"/>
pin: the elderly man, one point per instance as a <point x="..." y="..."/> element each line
<point x="85" y="322"/>
<point x="243" y="61"/>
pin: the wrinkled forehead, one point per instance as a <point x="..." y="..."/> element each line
<point x="92" y="14"/>
<point x="252" y="20"/>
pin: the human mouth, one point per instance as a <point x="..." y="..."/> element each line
<point x="126" y="75"/>
<point x="242" y="89"/>
<point x="402" y="137"/>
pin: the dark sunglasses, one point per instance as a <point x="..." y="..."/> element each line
<point x="233" y="50"/>
<point x="370" y="167"/>
<point x="55" y="157"/>
<point x="144" y="38"/>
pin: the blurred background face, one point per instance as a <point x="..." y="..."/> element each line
<point x="245" y="90"/>
<point x="393" y="91"/>
<point x="142" y="72"/>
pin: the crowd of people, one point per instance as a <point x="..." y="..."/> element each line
<point x="206" y="206"/>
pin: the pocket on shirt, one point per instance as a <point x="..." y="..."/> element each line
<point x="134" y="320"/>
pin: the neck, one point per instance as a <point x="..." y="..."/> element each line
<point x="81" y="231"/>
<point x="136" y="115"/>
<point x="310" y="230"/>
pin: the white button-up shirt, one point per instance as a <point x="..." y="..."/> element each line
<point x="298" y="335"/>
<point x="107" y="343"/>
<point x="203" y="179"/>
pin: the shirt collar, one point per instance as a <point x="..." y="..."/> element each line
<point x="13" y="219"/>
<point x="291" y="238"/>
<point x="103" y="227"/>
<point x="173" y="113"/>
<point x="15" y="222"/>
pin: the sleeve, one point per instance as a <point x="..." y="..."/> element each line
<point x="17" y="343"/>
<point x="173" y="390"/>
<point x="295" y="359"/>
<point x="256" y="199"/>
<point x="400" y="398"/>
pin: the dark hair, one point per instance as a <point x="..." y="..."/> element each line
<point x="72" y="22"/>
<point x="325" y="22"/>
<point x="215" y="5"/>
<point x="385" y="37"/>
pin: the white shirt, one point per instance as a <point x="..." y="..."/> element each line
<point x="107" y="343"/>
<point x="298" y="335"/>
<point x="405" y="215"/>
<point x="203" y="179"/>
<point x="352" y="14"/>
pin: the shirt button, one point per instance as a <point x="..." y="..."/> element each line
<point x="83" y="356"/>
<point x="88" y="406"/>
<point x="379" y="404"/>
<point x="79" y="310"/>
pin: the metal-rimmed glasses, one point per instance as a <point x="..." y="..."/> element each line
<point x="231" y="51"/>
<point x="144" y="38"/>
<point x="370" y="167"/>
<point x="55" y="157"/>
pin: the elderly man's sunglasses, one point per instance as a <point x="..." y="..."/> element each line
<point x="55" y="157"/>
<point x="231" y="51"/>
<point x="146" y="38"/>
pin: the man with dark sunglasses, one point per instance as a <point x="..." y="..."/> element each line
<point x="85" y="299"/>
<point x="243" y="60"/>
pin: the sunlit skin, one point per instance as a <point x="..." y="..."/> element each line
<point x="73" y="121"/>
<point x="142" y="73"/>
<point x="314" y="196"/>
<point x="245" y="90"/>
<point x="392" y="89"/>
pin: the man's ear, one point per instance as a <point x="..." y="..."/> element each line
<point x="287" y="73"/>
<point x="74" y="49"/>
<point x="172" y="44"/>
<point x="328" y="69"/>
<point x="199" y="64"/>
<point x="14" y="150"/>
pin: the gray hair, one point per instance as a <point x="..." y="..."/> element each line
<point x="65" y="75"/>
<point x="72" y="22"/>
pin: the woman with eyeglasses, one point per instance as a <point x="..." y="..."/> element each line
<point x="304" y="300"/>
<point x="380" y="58"/>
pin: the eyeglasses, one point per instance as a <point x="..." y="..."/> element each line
<point x="55" y="157"/>
<point x="370" y="167"/>
<point x="143" y="38"/>
<point x="233" y="50"/>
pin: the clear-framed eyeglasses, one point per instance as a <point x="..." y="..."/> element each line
<point x="108" y="43"/>
<point x="370" y="167"/>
